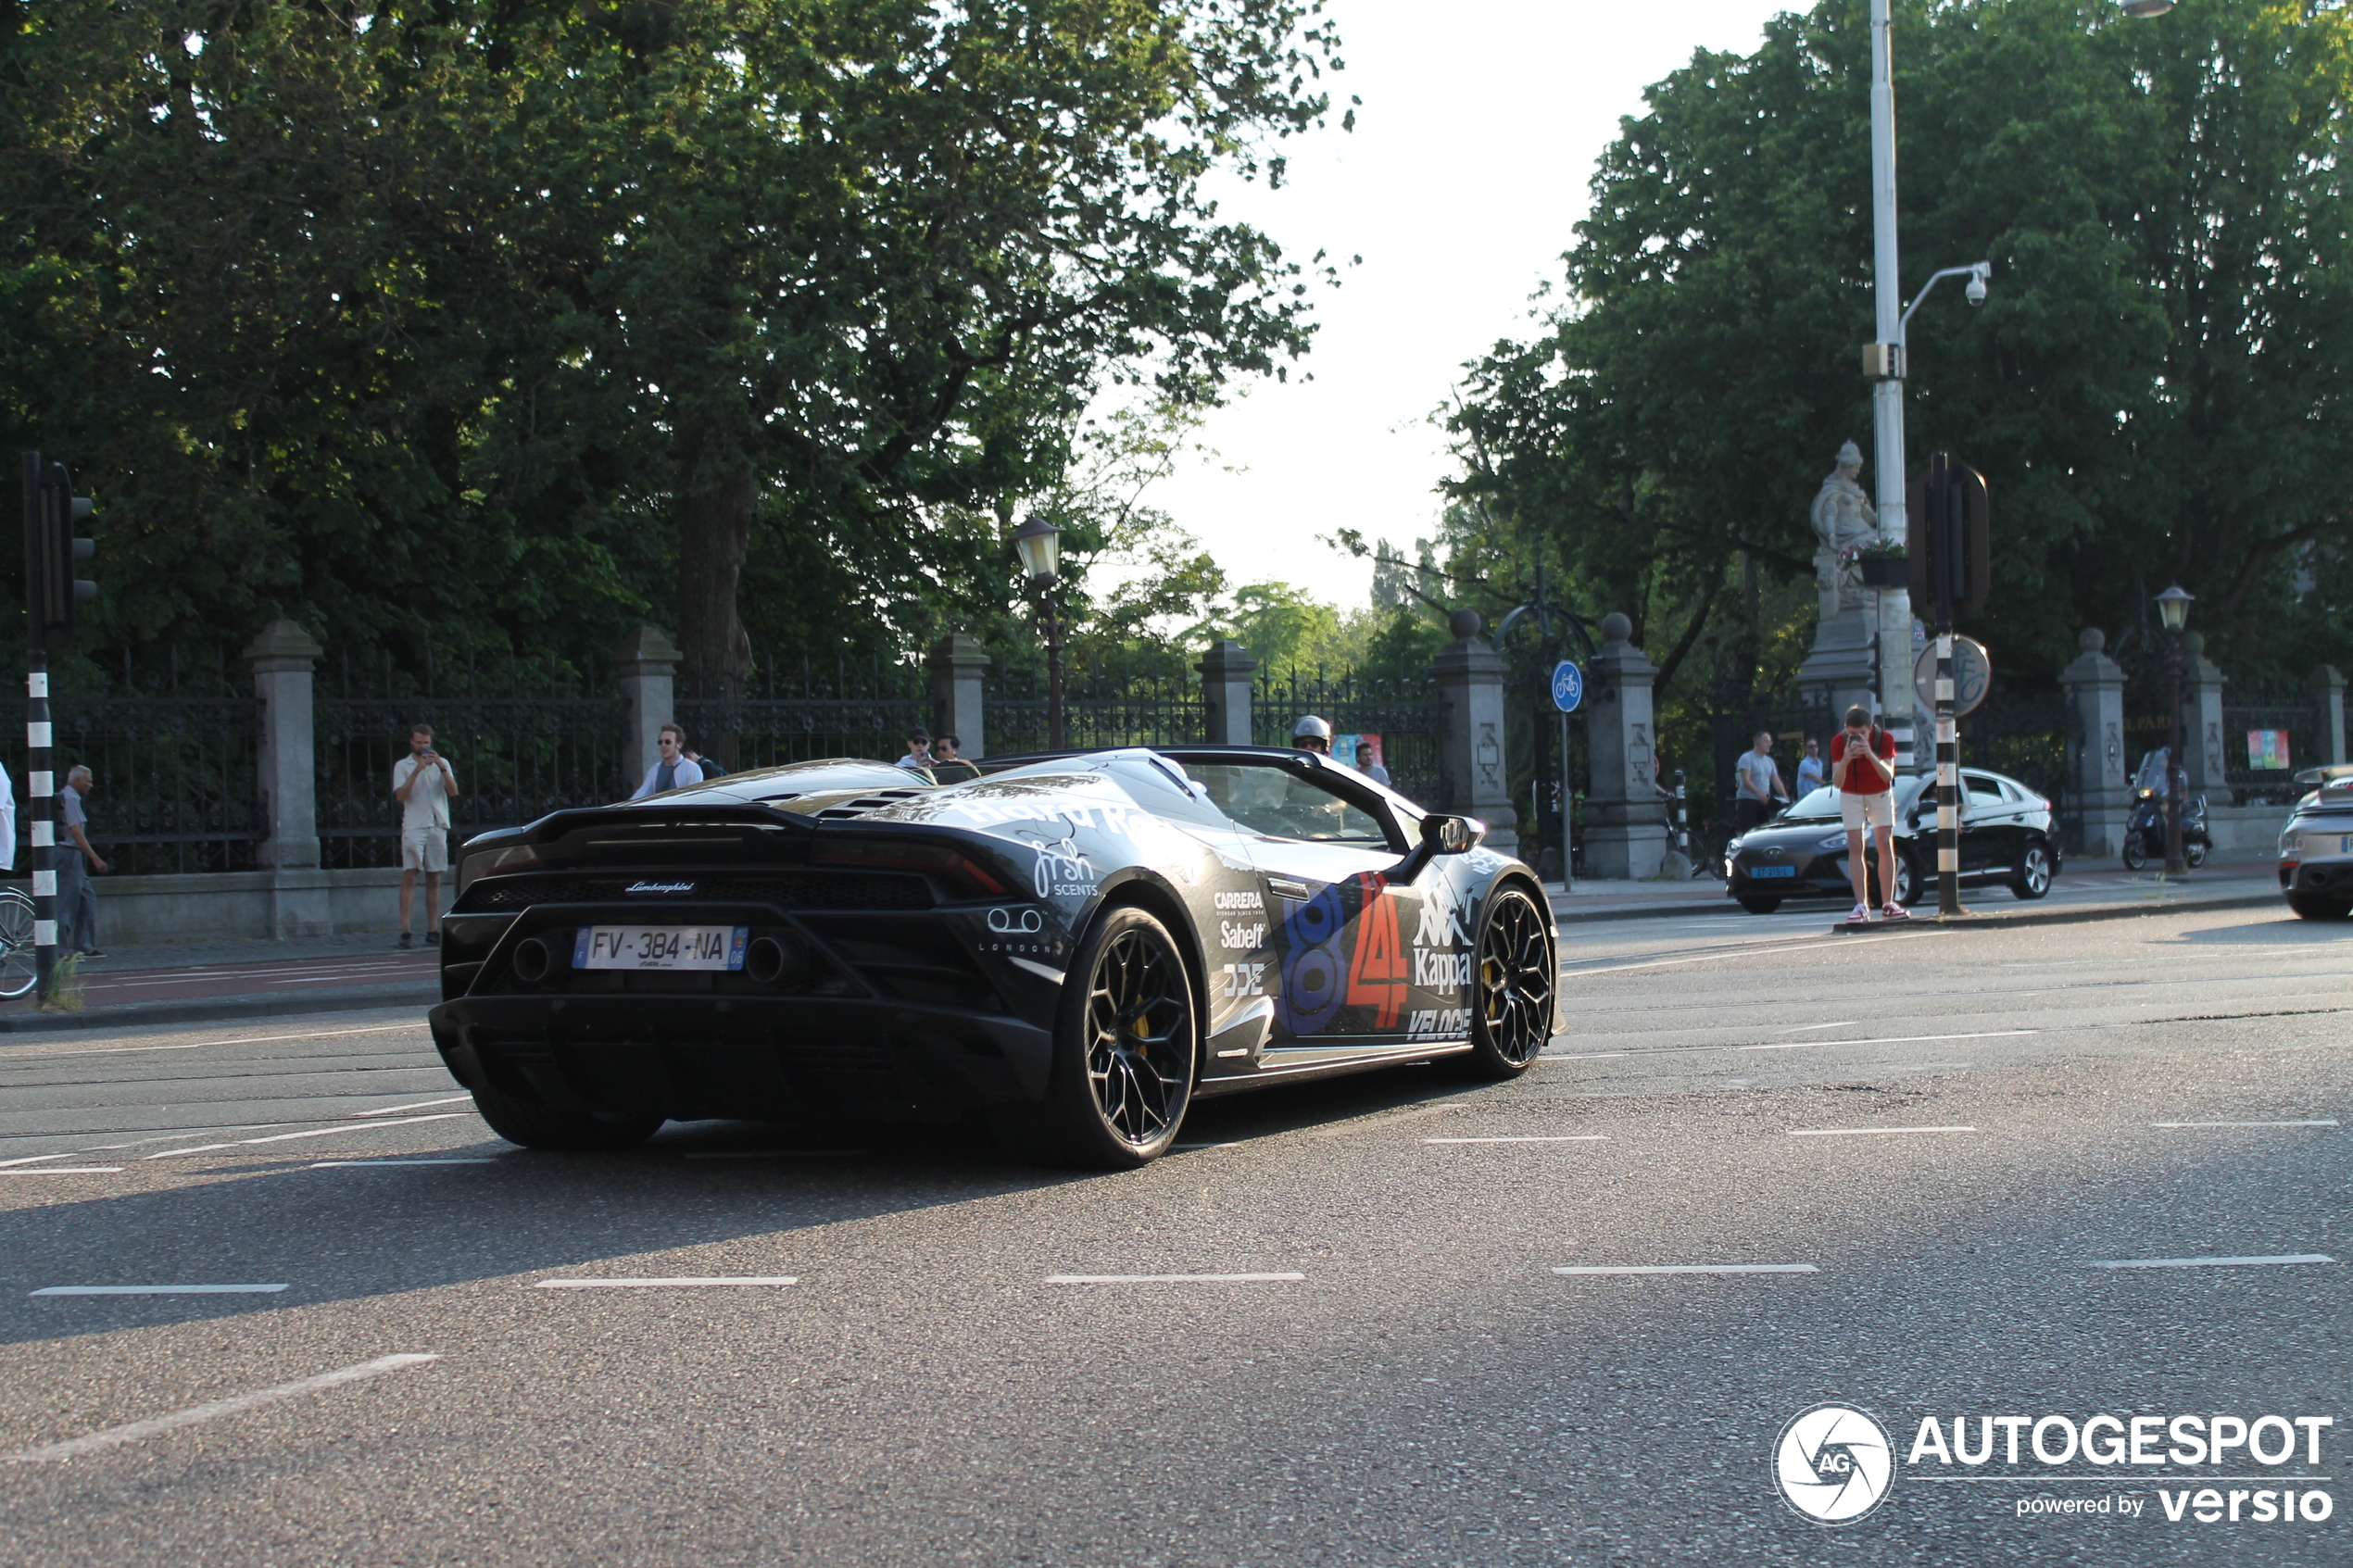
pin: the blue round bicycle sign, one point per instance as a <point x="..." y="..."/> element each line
<point x="1569" y="687"/>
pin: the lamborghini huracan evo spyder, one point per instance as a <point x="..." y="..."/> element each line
<point x="1072" y="947"/>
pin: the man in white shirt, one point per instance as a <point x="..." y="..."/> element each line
<point x="675" y="770"/>
<point x="422" y="783"/>
<point x="918" y="750"/>
<point x="1760" y="783"/>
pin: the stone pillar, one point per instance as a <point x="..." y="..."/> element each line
<point x="1226" y="671"/>
<point x="2202" y="717"/>
<point x="646" y="668"/>
<point x="956" y="665"/>
<point x="1469" y="675"/>
<point x="284" y="657"/>
<point x="1839" y="670"/>
<point x="2099" y="802"/>
<point x="1626" y="831"/>
<point x="2328" y="705"/>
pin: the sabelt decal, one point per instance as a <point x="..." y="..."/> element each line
<point x="1237" y="933"/>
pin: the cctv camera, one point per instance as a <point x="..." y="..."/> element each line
<point x="1975" y="293"/>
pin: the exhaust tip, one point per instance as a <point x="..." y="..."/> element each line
<point x="531" y="961"/>
<point x="776" y="961"/>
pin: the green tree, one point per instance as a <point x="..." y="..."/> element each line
<point x="2156" y="389"/>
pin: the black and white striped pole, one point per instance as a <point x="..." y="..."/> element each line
<point x="39" y="794"/>
<point x="1951" y="535"/>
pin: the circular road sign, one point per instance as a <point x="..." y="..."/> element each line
<point x="1973" y="674"/>
<point x="1569" y="687"/>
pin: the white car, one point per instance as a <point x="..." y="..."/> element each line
<point x="2316" y="850"/>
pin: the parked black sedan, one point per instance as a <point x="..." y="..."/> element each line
<point x="2009" y="835"/>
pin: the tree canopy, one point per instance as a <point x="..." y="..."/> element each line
<point x="493" y="322"/>
<point x="2157" y="390"/>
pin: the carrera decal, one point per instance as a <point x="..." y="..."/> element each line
<point x="1376" y="978"/>
<point x="1251" y="901"/>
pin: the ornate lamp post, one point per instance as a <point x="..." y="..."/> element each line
<point x="2174" y="609"/>
<point x="1039" y="543"/>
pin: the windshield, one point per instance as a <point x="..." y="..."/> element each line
<point x="1822" y="804"/>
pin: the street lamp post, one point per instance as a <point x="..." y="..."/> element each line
<point x="1039" y="543"/>
<point x="2174" y="609"/>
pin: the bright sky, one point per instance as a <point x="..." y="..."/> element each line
<point x="1481" y="123"/>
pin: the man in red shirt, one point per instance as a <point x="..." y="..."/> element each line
<point x="1863" y="771"/>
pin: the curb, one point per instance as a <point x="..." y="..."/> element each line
<point x="207" y="1010"/>
<point x="2070" y="916"/>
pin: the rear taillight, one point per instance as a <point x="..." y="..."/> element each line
<point x="937" y="859"/>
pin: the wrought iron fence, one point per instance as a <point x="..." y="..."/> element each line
<point x="2026" y="737"/>
<point x="2264" y="742"/>
<point x="174" y="757"/>
<point x="1404" y="713"/>
<point x="1791" y="723"/>
<point x="1103" y="707"/>
<point x="802" y="711"/>
<point x="524" y="738"/>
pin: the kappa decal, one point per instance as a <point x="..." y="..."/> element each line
<point x="1440" y="972"/>
<point x="1441" y="924"/>
<point x="1377" y="976"/>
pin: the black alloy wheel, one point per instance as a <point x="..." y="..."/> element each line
<point x="2308" y="906"/>
<point x="1127" y="1052"/>
<point x="1511" y="986"/>
<point x="2033" y="878"/>
<point x="535" y="1125"/>
<point x="1757" y="906"/>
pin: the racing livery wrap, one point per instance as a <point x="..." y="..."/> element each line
<point x="1074" y="947"/>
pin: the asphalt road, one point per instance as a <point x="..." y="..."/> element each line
<point x="1427" y="1389"/>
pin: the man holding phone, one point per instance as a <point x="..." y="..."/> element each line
<point x="1863" y="771"/>
<point x="422" y="783"/>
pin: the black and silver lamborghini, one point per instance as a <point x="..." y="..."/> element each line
<point x="1074" y="947"/>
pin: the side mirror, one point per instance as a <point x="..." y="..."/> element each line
<point x="1452" y="835"/>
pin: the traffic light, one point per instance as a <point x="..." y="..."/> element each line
<point x="1947" y="540"/>
<point x="55" y="549"/>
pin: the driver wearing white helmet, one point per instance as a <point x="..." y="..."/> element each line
<point x="1312" y="734"/>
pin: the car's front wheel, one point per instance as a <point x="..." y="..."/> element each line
<point x="2308" y="907"/>
<point x="1756" y="906"/>
<point x="2033" y="878"/>
<point x="535" y="1125"/>
<point x="1512" y="986"/>
<point x="1907" y="881"/>
<point x="1126" y="1048"/>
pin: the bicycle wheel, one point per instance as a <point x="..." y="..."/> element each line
<point x="19" y="967"/>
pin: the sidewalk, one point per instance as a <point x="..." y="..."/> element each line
<point x="189" y="982"/>
<point x="2081" y="892"/>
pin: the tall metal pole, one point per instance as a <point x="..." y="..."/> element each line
<point x="1887" y="393"/>
<point x="40" y="796"/>
<point x="1569" y="810"/>
<point x="2176" y="774"/>
<point x="1057" y="735"/>
<point x="1945" y="535"/>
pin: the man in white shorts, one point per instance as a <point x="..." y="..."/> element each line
<point x="422" y="783"/>
<point x="1863" y="771"/>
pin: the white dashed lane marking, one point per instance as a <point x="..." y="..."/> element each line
<point x="2242" y="1124"/>
<point x="1561" y="1138"/>
<point x="158" y="1290"/>
<point x="1690" y="1269"/>
<point x="343" y="1164"/>
<point x="116" y="1436"/>
<point x="68" y="1171"/>
<point x="1867" y="1132"/>
<point x="664" y="1282"/>
<point x="1175" y="1279"/>
<point x="2212" y="1263"/>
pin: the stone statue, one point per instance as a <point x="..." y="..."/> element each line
<point x="1842" y="516"/>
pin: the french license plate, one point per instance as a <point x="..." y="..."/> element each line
<point x="1759" y="871"/>
<point x="661" y="947"/>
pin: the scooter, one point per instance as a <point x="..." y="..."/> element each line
<point x="2145" y="832"/>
